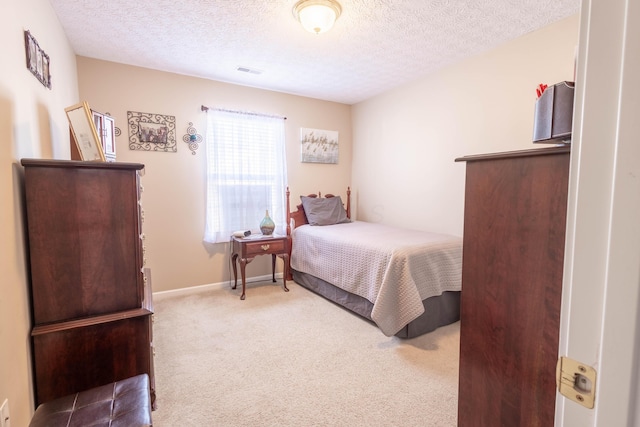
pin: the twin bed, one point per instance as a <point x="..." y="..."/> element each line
<point x="405" y="281"/>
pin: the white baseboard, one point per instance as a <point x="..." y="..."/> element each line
<point x="208" y="287"/>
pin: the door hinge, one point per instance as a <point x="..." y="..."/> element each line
<point x="576" y="381"/>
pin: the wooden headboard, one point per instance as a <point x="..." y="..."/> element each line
<point x="299" y="216"/>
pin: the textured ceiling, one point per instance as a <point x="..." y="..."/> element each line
<point x="374" y="46"/>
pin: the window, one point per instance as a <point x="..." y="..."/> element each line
<point x="246" y="173"/>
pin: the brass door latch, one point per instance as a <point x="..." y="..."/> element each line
<point x="576" y="381"/>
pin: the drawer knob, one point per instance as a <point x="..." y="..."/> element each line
<point x="265" y="247"/>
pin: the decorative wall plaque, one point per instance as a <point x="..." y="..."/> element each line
<point x="151" y="132"/>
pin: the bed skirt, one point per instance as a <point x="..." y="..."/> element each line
<point x="438" y="311"/>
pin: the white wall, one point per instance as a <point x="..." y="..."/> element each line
<point x="32" y="124"/>
<point x="405" y="141"/>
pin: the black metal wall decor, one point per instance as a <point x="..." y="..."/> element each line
<point x="192" y="138"/>
<point x="152" y="132"/>
<point x="37" y="61"/>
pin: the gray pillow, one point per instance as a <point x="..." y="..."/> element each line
<point x="327" y="211"/>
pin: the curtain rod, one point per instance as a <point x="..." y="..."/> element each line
<point x="205" y="108"/>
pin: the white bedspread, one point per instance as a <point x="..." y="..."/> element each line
<point x="394" y="268"/>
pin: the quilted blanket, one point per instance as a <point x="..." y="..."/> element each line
<point x="394" y="268"/>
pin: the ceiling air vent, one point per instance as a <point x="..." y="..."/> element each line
<point x="249" y="70"/>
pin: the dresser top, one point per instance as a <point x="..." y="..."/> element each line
<point x="79" y="164"/>
<point x="519" y="153"/>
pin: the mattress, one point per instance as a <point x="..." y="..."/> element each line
<point x="394" y="269"/>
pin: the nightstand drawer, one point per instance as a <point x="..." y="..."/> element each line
<point x="265" y="247"/>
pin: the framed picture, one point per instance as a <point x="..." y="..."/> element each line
<point x="84" y="132"/>
<point x="318" y="146"/>
<point x="151" y="132"/>
<point x="37" y="61"/>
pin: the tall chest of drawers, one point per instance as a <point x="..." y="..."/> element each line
<point x="90" y="298"/>
<point x="513" y="254"/>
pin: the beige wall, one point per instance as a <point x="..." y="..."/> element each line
<point x="174" y="183"/>
<point x="405" y="141"/>
<point x="32" y="124"/>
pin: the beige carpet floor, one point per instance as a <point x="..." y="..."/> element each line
<point x="294" y="359"/>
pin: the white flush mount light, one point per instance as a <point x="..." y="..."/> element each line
<point x="317" y="16"/>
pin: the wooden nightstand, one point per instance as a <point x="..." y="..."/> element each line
<point x="248" y="248"/>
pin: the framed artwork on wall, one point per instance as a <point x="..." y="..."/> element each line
<point x="38" y="62"/>
<point x="151" y="132"/>
<point x="318" y="146"/>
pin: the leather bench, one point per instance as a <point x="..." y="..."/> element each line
<point x="125" y="403"/>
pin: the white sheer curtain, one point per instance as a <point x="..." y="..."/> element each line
<point x="246" y="173"/>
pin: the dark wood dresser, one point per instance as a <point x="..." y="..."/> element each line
<point x="91" y="300"/>
<point x="513" y="252"/>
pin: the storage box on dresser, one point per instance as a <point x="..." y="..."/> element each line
<point x="513" y="251"/>
<point x="91" y="301"/>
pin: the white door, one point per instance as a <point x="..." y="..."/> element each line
<point x="601" y="290"/>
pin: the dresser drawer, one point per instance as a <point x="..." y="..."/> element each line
<point x="265" y="247"/>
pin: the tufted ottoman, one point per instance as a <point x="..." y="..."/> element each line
<point x="125" y="403"/>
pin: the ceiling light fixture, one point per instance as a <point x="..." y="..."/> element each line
<point x="317" y="16"/>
